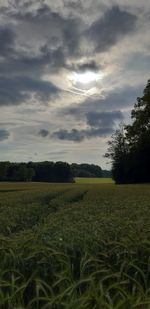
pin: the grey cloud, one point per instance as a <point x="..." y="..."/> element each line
<point x="21" y="70"/>
<point x="72" y="36"/>
<point x="73" y="135"/>
<point x="43" y="133"/>
<point x="26" y="64"/>
<point x="18" y="90"/>
<point x="99" y="124"/>
<point x="4" y="134"/>
<point x="76" y="5"/>
<point x="55" y="58"/>
<point x="51" y="26"/>
<point x="53" y="37"/>
<point x="86" y="66"/>
<point x="114" y="25"/>
<point x="103" y="119"/>
<point x="79" y="135"/>
<point x="114" y="100"/>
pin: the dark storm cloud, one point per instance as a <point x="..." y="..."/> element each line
<point x="4" y="134"/>
<point x="18" y="90"/>
<point x="79" y="135"/>
<point x="7" y="39"/>
<point x="109" y="29"/>
<point x="43" y="133"/>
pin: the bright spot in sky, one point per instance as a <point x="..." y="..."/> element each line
<point x="86" y="77"/>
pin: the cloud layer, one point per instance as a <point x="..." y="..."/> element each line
<point x="42" y="45"/>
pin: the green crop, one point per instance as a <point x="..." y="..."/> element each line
<point x="74" y="246"/>
<point x="82" y="180"/>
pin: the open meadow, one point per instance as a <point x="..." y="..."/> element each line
<point x="74" y="246"/>
<point x="83" y="180"/>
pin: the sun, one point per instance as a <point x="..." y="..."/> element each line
<point x="85" y="77"/>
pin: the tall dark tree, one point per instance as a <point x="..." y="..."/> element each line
<point x="118" y="152"/>
<point x="130" y="152"/>
<point x="141" y="118"/>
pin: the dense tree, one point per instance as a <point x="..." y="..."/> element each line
<point x="3" y="170"/>
<point x="30" y="173"/>
<point x="52" y="172"/>
<point x="17" y="171"/>
<point x="129" y="148"/>
<point x="86" y="170"/>
<point x="62" y="171"/>
<point x="39" y="171"/>
<point x="118" y="151"/>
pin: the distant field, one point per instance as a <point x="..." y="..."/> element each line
<point x="74" y="246"/>
<point x="93" y="180"/>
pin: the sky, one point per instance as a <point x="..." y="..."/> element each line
<point x="70" y="73"/>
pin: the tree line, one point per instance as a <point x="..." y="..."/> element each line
<point x="36" y="171"/>
<point x="129" y="148"/>
<point x="48" y="171"/>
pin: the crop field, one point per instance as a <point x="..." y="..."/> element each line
<point x="82" y="180"/>
<point x="74" y="246"/>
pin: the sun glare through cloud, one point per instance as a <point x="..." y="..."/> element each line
<point x="85" y="77"/>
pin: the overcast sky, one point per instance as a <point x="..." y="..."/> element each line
<point x="70" y="72"/>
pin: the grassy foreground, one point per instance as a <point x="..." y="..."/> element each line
<point x="74" y="246"/>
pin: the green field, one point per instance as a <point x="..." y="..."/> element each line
<point x="70" y="246"/>
<point x="83" y="180"/>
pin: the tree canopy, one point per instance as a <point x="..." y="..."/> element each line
<point x="38" y="171"/>
<point x="129" y="148"/>
<point x="86" y="170"/>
